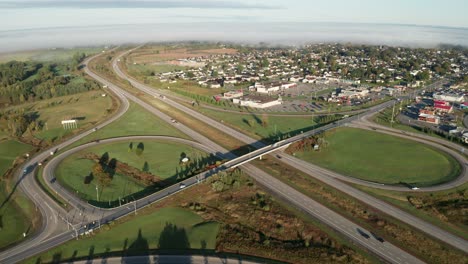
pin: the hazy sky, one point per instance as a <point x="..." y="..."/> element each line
<point x="29" y="24"/>
<point x="27" y="14"/>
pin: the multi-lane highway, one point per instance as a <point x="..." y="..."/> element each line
<point x="45" y="240"/>
<point x="329" y="177"/>
<point x="51" y="212"/>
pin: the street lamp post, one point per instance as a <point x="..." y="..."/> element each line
<point x="97" y="193"/>
<point x="134" y="203"/>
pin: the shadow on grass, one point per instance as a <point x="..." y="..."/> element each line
<point x="187" y="170"/>
<point x="28" y="170"/>
<point x="172" y="241"/>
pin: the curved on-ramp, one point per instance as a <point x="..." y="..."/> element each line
<point x="86" y="209"/>
<point x="51" y="212"/>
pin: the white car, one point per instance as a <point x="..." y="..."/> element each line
<point x="181" y="186"/>
<point x="414" y="188"/>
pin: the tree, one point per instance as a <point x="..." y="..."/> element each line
<point x="130" y="147"/>
<point x="102" y="176"/>
<point x="139" y="149"/>
<point x="145" y="167"/>
<point x="265" y="120"/>
<point x="423" y="76"/>
<point x="320" y="64"/>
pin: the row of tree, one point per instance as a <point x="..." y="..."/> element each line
<point x="31" y="81"/>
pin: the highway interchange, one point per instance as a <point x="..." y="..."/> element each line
<point x="53" y="234"/>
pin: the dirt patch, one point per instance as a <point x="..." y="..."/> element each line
<point x="143" y="177"/>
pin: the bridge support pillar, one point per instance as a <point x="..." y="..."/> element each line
<point x="260" y="157"/>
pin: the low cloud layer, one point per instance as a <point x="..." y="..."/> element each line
<point x="252" y="33"/>
<point x="202" y="4"/>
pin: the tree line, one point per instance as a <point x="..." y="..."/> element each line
<point x="31" y="81"/>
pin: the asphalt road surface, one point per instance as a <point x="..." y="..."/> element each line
<point x="46" y="241"/>
<point x="322" y="174"/>
<point x="51" y="212"/>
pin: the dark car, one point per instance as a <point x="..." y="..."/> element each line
<point x="362" y="233"/>
<point x="378" y="238"/>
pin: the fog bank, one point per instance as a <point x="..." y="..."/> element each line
<point x="273" y="33"/>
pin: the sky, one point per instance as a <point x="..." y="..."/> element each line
<point x="34" y="16"/>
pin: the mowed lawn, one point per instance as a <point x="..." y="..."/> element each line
<point x="12" y="221"/>
<point x="162" y="159"/>
<point x="88" y="108"/>
<point x="382" y="158"/>
<point x="275" y="124"/>
<point x="135" y="122"/>
<point x="166" y="228"/>
<point x="9" y="150"/>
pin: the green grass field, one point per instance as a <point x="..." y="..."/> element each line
<point x="166" y="228"/>
<point x="275" y="124"/>
<point x="382" y="158"/>
<point x="9" y="150"/>
<point x="88" y="108"/>
<point x="47" y="55"/>
<point x="135" y="122"/>
<point x="162" y="160"/>
<point x="13" y="222"/>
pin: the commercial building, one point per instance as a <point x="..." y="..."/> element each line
<point x="449" y="97"/>
<point x="354" y="93"/>
<point x="233" y="94"/>
<point x="429" y="116"/>
<point x="271" y="87"/>
<point x="257" y="101"/>
<point x="442" y="106"/>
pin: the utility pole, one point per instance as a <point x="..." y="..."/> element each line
<point x="134" y="203"/>
<point x="393" y="113"/>
<point x="97" y="193"/>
